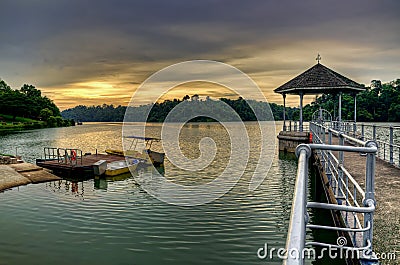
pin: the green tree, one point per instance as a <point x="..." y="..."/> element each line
<point x="31" y="91"/>
<point x="26" y="102"/>
<point x="45" y="114"/>
<point x="59" y="121"/>
<point x="4" y="88"/>
<point x="52" y="121"/>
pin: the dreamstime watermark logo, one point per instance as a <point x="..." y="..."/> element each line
<point x="240" y="84"/>
<point x="341" y="251"/>
<point x="341" y="241"/>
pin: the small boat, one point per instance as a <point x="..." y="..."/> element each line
<point x="156" y="158"/>
<point x="121" y="167"/>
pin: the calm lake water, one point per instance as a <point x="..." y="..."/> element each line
<point x="117" y="222"/>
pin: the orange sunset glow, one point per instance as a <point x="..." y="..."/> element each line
<point x="90" y="58"/>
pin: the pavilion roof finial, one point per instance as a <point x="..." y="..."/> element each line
<point x="318" y="58"/>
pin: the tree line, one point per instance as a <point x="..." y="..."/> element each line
<point x="380" y="103"/>
<point x="157" y="112"/>
<point x="28" y="102"/>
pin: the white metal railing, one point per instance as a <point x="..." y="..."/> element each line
<point x="71" y="156"/>
<point x="294" y="126"/>
<point x="355" y="204"/>
<point x="385" y="136"/>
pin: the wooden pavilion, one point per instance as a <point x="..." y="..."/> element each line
<point x="319" y="79"/>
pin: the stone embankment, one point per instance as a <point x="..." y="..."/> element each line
<point x="14" y="172"/>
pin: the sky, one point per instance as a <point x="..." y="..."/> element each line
<point x="83" y="52"/>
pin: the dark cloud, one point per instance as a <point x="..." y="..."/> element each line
<point x="56" y="44"/>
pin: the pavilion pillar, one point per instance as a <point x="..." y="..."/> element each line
<point x="301" y="112"/>
<point x="355" y="115"/>
<point x="340" y="111"/>
<point x="284" y="112"/>
<point x="355" y="108"/>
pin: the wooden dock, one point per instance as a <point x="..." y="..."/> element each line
<point x="82" y="167"/>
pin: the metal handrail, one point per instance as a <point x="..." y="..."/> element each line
<point x="340" y="228"/>
<point x="294" y="126"/>
<point x="369" y="245"/>
<point x="386" y="147"/>
<point x="64" y="155"/>
<point x="296" y="233"/>
<point x="344" y="186"/>
<point x="369" y="209"/>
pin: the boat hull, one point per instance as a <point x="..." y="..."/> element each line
<point x="119" y="168"/>
<point x="156" y="158"/>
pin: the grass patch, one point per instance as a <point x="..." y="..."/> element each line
<point x="9" y="119"/>
<point x="7" y="124"/>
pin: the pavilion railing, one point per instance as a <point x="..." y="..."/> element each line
<point x="294" y="126"/>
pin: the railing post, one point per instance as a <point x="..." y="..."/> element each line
<point x="328" y="171"/>
<point x="341" y="163"/>
<point x="362" y="132"/>
<point x="295" y="126"/>
<point x="384" y="151"/>
<point x="323" y="154"/>
<point x="391" y="144"/>
<point x="369" y="193"/>
<point x="354" y="129"/>
<point x="290" y="125"/>
<point x="284" y="112"/>
<point x="374" y="132"/>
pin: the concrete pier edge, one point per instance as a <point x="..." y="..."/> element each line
<point x="14" y="175"/>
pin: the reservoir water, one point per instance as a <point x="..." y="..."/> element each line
<point x="117" y="222"/>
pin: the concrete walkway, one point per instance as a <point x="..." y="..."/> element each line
<point x="387" y="195"/>
<point x="14" y="175"/>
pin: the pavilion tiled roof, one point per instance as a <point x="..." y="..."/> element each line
<point x="319" y="79"/>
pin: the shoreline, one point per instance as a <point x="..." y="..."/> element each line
<point x="25" y="127"/>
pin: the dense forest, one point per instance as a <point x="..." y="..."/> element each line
<point x="29" y="103"/>
<point x="159" y="111"/>
<point x="379" y="102"/>
<point x="95" y="113"/>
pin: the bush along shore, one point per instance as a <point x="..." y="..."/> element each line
<point x="21" y="126"/>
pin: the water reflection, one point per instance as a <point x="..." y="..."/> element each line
<point x="65" y="186"/>
<point x="287" y="168"/>
<point x="142" y="172"/>
<point x="108" y="221"/>
<point x="100" y="183"/>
